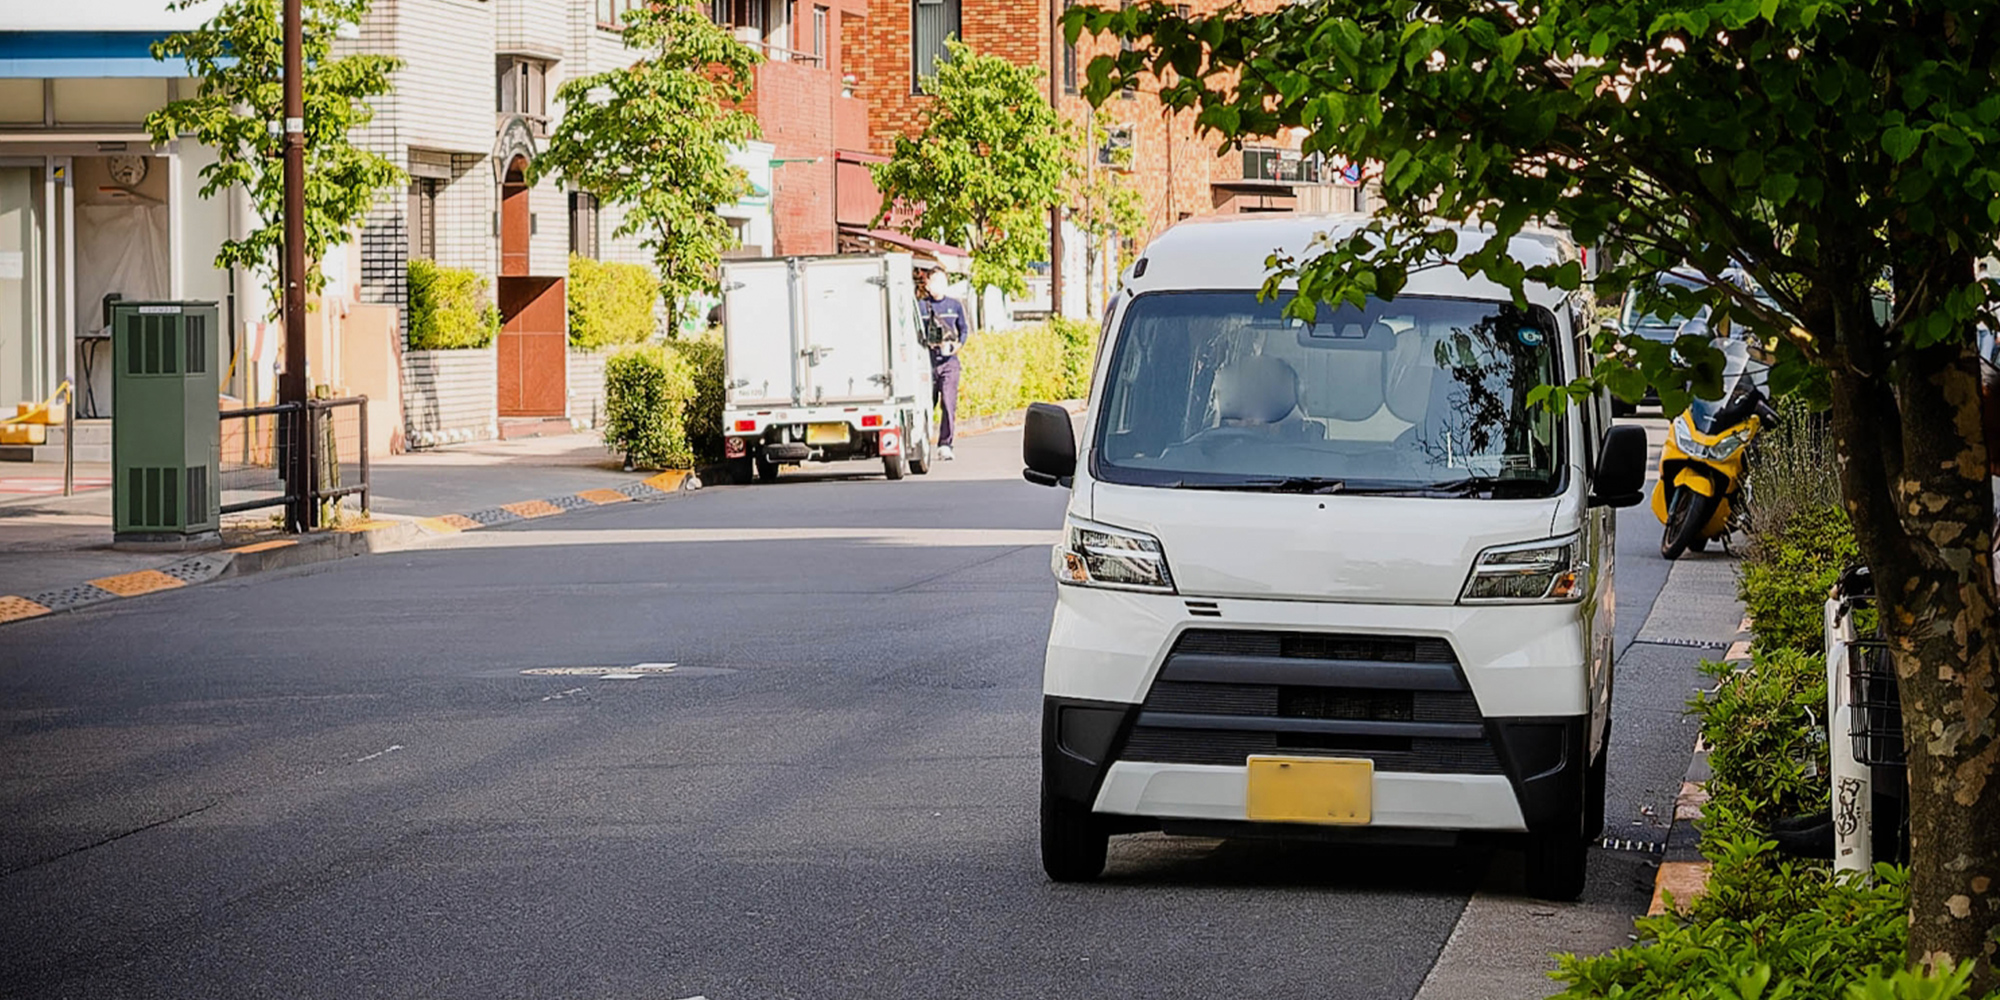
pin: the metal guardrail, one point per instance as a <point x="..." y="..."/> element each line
<point x="257" y="445"/>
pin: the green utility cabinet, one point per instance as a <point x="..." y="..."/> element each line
<point x="166" y="426"/>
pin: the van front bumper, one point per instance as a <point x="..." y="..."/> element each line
<point x="1484" y="727"/>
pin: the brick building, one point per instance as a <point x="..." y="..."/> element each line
<point x="1177" y="172"/>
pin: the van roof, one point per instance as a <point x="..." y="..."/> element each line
<point x="1229" y="251"/>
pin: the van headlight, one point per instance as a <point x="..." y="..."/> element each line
<point x="1720" y="451"/>
<point x="1098" y="555"/>
<point x="1551" y="570"/>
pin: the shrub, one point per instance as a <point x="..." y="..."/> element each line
<point x="647" y="392"/>
<point x="1785" y="575"/>
<point x="702" y="416"/>
<point x="1764" y="728"/>
<point x="1003" y="370"/>
<point x="449" y="308"/>
<point x="610" y="305"/>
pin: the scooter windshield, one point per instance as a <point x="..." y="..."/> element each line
<point x="1739" y="375"/>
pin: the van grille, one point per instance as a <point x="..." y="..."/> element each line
<point x="1400" y="701"/>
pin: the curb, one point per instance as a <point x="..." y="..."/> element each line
<point x="1684" y="870"/>
<point x="361" y="538"/>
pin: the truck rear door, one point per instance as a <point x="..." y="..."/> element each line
<point x="759" y="343"/>
<point x="846" y="330"/>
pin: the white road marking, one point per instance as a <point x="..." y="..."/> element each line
<point x="560" y="695"/>
<point x="604" y="673"/>
<point x="915" y="537"/>
<point x="379" y="753"/>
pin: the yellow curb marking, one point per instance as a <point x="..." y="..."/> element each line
<point x="532" y="508"/>
<point x="604" y="496"/>
<point x="145" y="581"/>
<point x="667" y="482"/>
<point x="1684" y="879"/>
<point x="448" y="523"/>
<point x="13" y="609"/>
<point x="275" y="543"/>
<point x="369" y="525"/>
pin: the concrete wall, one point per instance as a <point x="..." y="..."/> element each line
<point x="449" y="397"/>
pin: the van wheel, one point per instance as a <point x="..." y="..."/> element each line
<point x="1557" y="863"/>
<point x="766" y="471"/>
<point x="1074" y="842"/>
<point x="1687" y="513"/>
<point x="1595" y="780"/>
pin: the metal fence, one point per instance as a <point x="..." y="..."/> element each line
<point x="256" y="453"/>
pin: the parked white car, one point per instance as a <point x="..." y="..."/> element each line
<point x="1334" y="579"/>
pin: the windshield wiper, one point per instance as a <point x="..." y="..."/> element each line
<point x="1286" y="484"/>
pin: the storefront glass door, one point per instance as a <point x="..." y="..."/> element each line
<point x="25" y="340"/>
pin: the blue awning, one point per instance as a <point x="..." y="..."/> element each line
<point x="39" y="54"/>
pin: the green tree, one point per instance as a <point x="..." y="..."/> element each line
<point x="1105" y="204"/>
<point x="991" y="160"/>
<point x="1825" y="145"/>
<point x="238" y="109"/>
<point x="655" y="137"/>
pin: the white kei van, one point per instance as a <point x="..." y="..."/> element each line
<point x="1335" y="579"/>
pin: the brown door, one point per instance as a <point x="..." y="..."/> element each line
<point x="533" y="349"/>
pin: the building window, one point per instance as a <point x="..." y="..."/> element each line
<point x="583" y="224"/>
<point x="423" y="217"/>
<point x="611" y="13"/>
<point x="931" y="23"/>
<point x="524" y="89"/>
<point x="1069" y="68"/>
<point x="819" y="35"/>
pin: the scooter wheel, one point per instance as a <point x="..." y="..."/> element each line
<point x="1687" y="513"/>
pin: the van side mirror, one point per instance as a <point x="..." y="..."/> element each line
<point x="1048" y="446"/>
<point x="1621" y="469"/>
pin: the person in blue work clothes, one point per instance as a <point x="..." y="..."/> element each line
<point x="945" y="330"/>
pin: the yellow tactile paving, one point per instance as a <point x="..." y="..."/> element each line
<point x="145" y="581"/>
<point x="448" y="523"/>
<point x="667" y="482"/>
<point x="369" y="525"/>
<point x="13" y="609"/>
<point x="1684" y="879"/>
<point x="275" y="543"/>
<point x="531" y="508"/>
<point x="604" y="496"/>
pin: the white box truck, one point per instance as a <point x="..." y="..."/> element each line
<point x="822" y="364"/>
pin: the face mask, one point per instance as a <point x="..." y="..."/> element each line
<point x="935" y="285"/>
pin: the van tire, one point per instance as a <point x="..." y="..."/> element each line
<point x="1595" y="783"/>
<point x="1074" y="842"/>
<point x="1557" y="863"/>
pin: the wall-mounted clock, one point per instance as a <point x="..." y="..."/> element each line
<point x="127" y="170"/>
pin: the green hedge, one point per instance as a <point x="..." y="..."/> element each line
<point x="663" y="403"/>
<point x="610" y="305"/>
<point x="1785" y="576"/>
<point x="449" y="308"/>
<point x="1003" y="370"/>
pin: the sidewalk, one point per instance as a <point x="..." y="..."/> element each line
<point x="55" y="551"/>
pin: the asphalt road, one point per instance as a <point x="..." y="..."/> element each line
<point x="387" y="777"/>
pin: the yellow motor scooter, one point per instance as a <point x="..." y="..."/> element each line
<point x="1702" y="462"/>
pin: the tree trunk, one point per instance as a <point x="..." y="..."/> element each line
<point x="1914" y="474"/>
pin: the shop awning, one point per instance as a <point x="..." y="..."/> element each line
<point x="953" y="258"/>
<point x="68" y="54"/>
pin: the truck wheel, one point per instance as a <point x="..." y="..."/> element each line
<point x="1074" y="842"/>
<point x="742" y="471"/>
<point x="920" y="457"/>
<point x="767" y="471"/>
<point x="896" y="466"/>
<point x="1557" y="863"/>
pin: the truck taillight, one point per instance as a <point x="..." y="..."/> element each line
<point x="746" y="426"/>
<point x="871" y="420"/>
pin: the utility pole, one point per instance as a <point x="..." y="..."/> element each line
<point x="1055" y="210"/>
<point x="300" y="515"/>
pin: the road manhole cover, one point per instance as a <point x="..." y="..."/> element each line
<point x="636" y="671"/>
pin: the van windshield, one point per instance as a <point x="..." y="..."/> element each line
<point x="1420" y="396"/>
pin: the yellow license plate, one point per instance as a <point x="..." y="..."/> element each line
<point x="1311" y="790"/>
<point x="826" y="433"/>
